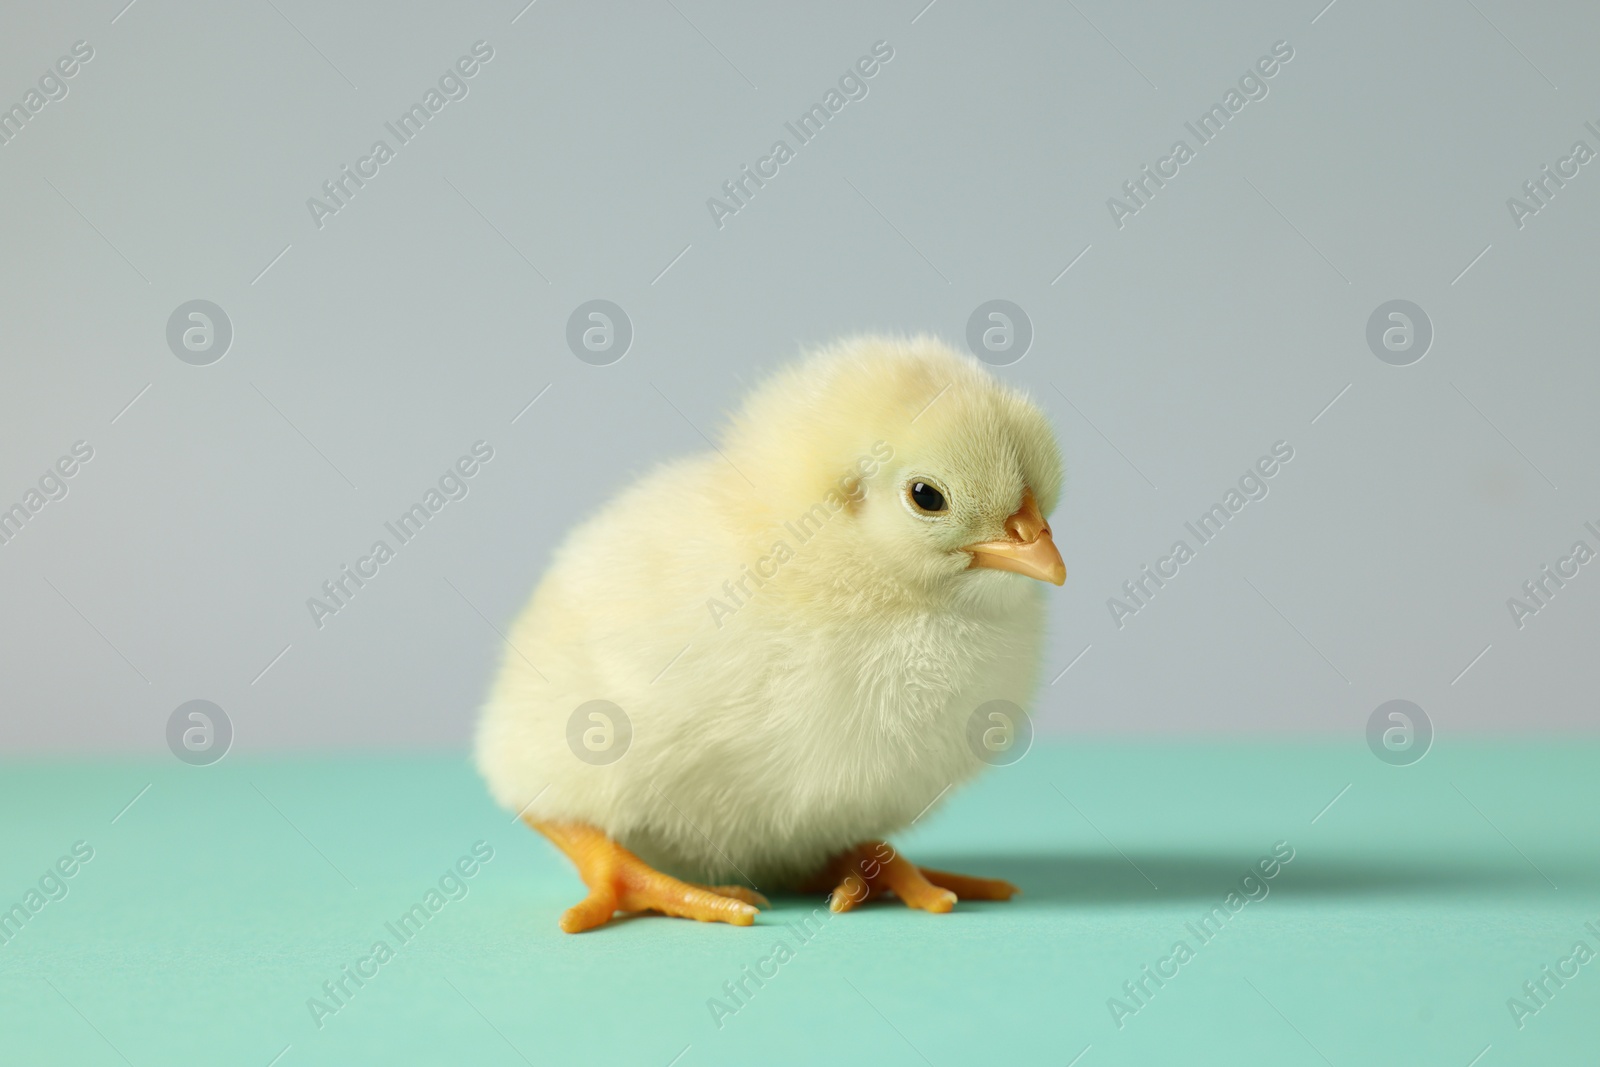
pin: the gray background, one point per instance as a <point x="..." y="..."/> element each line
<point x="426" y="315"/>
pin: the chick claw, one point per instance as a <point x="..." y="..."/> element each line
<point x="873" y="868"/>
<point x="618" y="880"/>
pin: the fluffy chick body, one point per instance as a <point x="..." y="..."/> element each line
<point x="828" y="707"/>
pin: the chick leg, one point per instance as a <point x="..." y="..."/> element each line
<point x="874" y="867"/>
<point x="620" y="881"/>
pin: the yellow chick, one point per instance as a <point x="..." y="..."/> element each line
<point x="757" y="663"/>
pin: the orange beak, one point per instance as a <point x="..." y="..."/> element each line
<point x="1028" y="548"/>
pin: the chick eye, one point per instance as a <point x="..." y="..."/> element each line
<point x="926" y="497"/>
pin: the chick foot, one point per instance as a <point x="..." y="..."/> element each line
<point x="620" y="881"/>
<point x="873" y="868"/>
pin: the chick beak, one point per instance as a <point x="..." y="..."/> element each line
<point x="1028" y="548"/>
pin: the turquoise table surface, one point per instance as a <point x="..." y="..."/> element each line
<point x="200" y="924"/>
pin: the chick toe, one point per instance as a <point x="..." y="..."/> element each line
<point x="908" y="883"/>
<point x="737" y="892"/>
<point x="853" y="891"/>
<point x="618" y="880"/>
<point x="647" y="889"/>
<point x="969" y="888"/>
<point x="595" y="910"/>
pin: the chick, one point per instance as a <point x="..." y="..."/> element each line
<point x="796" y="628"/>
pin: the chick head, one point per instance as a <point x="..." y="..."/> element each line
<point x="946" y="475"/>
